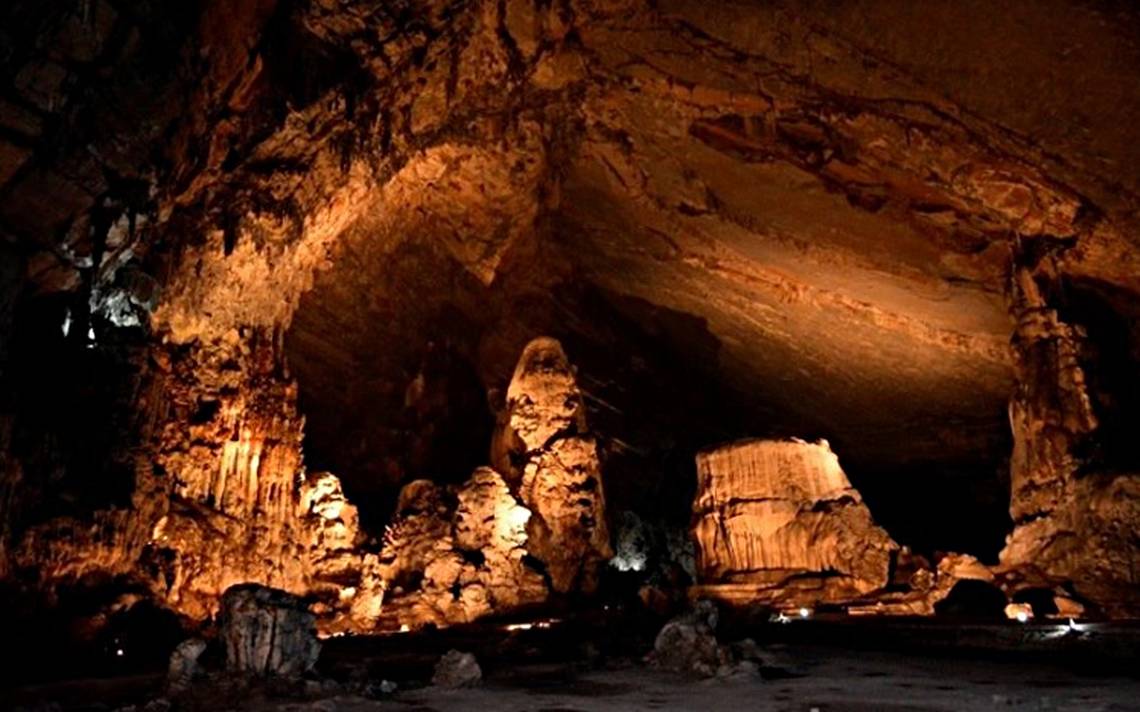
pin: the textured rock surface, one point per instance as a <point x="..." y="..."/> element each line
<point x="444" y="564"/>
<point x="457" y="669"/>
<point x="688" y="643"/>
<point x="555" y="463"/>
<point x="267" y="632"/>
<point x="819" y="209"/>
<point x="184" y="665"/>
<point x="767" y="512"/>
<point x="1073" y="524"/>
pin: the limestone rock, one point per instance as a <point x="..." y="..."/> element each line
<point x="688" y="643"/>
<point x="544" y="444"/>
<point x="447" y="564"/>
<point x="1071" y="526"/>
<point x="770" y="512"/>
<point x="457" y="669"/>
<point x="267" y="632"/>
<point x="184" y="665"/>
<point x="341" y="574"/>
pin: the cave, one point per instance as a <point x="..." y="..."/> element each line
<point x="355" y="352"/>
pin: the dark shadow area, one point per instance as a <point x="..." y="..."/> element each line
<point x="73" y="404"/>
<point x="940" y="506"/>
<point x="1111" y="318"/>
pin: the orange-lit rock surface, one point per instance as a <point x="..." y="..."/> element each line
<point x="1075" y="524"/>
<point x="445" y="565"/>
<point x="816" y="210"/>
<point x="545" y="445"/>
<point x="780" y="518"/>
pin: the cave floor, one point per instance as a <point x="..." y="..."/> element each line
<point x="816" y="678"/>
<point x="583" y="665"/>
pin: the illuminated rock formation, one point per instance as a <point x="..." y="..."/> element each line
<point x="554" y="466"/>
<point x="778" y="521"/>
<point x="342" y="574"/>
<point x="224" y="504"/>
<point x="788" y="216"/>
<point x="1073" y="524"/>
<point x="446" y="565"/>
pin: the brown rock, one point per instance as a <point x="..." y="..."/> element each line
<point x="267" y="632"/>
<point x="457" y="669"/>
<point x="767" y="512"/>
<point x="544" y="443"/>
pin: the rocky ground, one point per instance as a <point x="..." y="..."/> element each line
<point x="820" y="665"/>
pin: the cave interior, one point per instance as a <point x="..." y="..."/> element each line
<point x="445" y="313"/>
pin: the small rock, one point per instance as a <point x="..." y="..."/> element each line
<point x="687" y="644"/>
<point x="184" y="665"/>
<point x="456" y="669"/>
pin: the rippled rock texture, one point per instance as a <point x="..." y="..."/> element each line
<point x="267" y="632"/>
<point x="781" y="519"/>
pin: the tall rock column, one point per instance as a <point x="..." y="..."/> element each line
<point x="1073" y="525"/>
<point x="552" y="463"/>
<point x="1050" y="413"/>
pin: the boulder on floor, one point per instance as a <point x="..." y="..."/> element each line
<point x="457" y="669"/>
<point x="267" y="631"/>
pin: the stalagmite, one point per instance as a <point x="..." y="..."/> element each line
<point x="778" y="521"/>
<point x="554" y="464"/>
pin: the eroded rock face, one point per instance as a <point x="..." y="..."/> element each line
<point x="455" y="557"/>
<point x="555" y="466"/>
<point x="342" y="573"/>
<point x="267" y="632"/>
<point x="183" y="667"/>
<point x="1073" y="524"/>
<point x="704" y="161"/>
<point x="779" y="520"/>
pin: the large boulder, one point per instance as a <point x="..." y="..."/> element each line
<point x="267" y="631"/>
<point x="688" y="643"/>
<point x="184" y="665"/>
<point x="778" y="520"/>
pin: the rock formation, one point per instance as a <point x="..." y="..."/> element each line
<point x="778" y="521"/>
<point x="184" y="666"/>
<point x="457" y="669"/>
<point x="343" y="574"/>
<point x="788" y="215"/>
<point x="544" y="445"/>
<point x="688" y="643"/>
<point x="1073" y="524"/>
<point x="267" y="632"/>
<point x="445" y="563"/>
